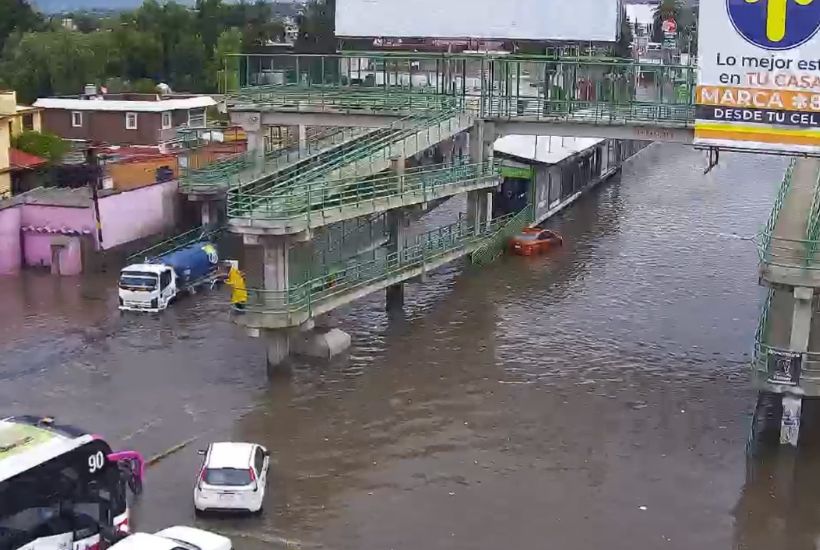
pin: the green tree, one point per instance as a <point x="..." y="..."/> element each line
<point x="210" y="16"/>
<point x="666" y="9"/>
<point x="17" y="16"/>
<point x="54" y="63"/>
<point x="140" y="54"/>
<point x="623" y="48"/>
<point x="42" y="144"/>
<point x="188" y="61"/>
<point x="317" y="28"/>
<point x="169" y="23"/>
<point x="224" y="68"/>
<point x="86" y="21"/>
<point x="317" y="34"/>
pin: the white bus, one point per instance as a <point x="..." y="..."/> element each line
<point x="61" y="488"/>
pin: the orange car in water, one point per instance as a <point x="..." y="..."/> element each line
<point x="534" y="241"/>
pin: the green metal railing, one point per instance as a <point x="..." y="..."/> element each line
<point x="796" y="253"/>
<point x="761" y="348"/>
<point x="607" y="111"/>
<point x="422" y="183"/>
<point x="765" y="234"/>
<point x="813" y="225"/>
<point x="488" y="85"/>
<point x="344" y="101"/>
<point x="371" y="154"/>
<point x="494" y="246"/>
<point x="172" y="244"/>
<point x="597" y="112"/>
<point x="246" y="167"/>
<point x="429" y="247"/>
<point x="810" y="371"/>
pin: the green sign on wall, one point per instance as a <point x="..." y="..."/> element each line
<point x="517" y="172"/>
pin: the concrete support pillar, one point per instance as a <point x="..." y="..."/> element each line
<point x="302" y="133"/>
<point x="801" y="319"/>
<point x="479" y="211"/>
<point x="276" y="258"/>
<point x="398" y="223"/>
<point x="256" y="147"/>
<point x="276" y="280"/>
<point x="798" y="342"/>
<point x="252" y="125"/>
<point x="205" y="210"/>
<point x="477" y="150"/>
<point x="277" y="346"/>
<point x="397" y="167"/>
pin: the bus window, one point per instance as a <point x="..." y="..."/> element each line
<point x="69" y="495"/>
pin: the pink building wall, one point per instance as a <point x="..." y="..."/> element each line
<point x="132" y="215"/>
<point x="57" y="217"/>
<point x="37" y="247"/>
<point x="10" y="252"/>
<point x="29" y="230"/>
<point x="37" y="243"/>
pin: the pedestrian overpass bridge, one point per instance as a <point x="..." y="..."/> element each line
<point x="541" y="95"/>
<point x="378" y="112"/>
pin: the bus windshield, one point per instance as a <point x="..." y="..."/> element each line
<point x="59" y="501"/>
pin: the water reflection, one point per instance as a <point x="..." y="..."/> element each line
<point x="597" y="397"/>
<point x="779" y="506"/>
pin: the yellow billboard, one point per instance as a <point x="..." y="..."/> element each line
<point x="759" y="75"/>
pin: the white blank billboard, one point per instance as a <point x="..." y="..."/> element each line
<point x="585" y="20"/>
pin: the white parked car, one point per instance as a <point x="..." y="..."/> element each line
<point x="174" y="538"/>
<point x="233" y="478"/>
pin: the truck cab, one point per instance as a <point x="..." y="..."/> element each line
<point x="147" y="287"/>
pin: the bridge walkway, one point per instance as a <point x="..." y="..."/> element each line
<point x="333" y="288"/>
<point x="353" y="184"/>
<point x="790" y="267"/>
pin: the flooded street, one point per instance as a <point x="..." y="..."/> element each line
<point x="594" y="398"/>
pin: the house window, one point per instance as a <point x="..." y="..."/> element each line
<point x="166" y="120"/>
<point x="130" y="121"/>
<point x="76" y="119"/>
<point x="28" y="122"/>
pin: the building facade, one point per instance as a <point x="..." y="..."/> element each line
<point x="122" y="119"/>
<point x="14" y="120"/>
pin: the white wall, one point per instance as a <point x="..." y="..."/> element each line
<point x="588" y="20"/>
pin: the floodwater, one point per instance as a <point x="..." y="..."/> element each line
<point x="594" y="398"/>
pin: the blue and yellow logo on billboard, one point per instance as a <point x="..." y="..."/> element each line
<point x="775" y="24"/>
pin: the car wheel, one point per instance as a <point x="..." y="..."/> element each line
<point x="199" y="513"/>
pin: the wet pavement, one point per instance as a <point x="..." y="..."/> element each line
<point x="597" y="397"/>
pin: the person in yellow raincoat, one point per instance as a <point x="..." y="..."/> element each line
<point x="239" y="292"/>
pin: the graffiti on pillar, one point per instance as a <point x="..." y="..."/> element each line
<point x="784" y="367"/>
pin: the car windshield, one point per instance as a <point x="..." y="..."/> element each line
<point x="135" y="280"/>
<point x="184" y="544"/>
<point x="232" y="477"/>
<point x="528" y="237"/>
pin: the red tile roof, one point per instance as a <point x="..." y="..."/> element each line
<point x="20" y="160"/>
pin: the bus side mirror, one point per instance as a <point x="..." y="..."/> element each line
<point x="200" y="452"/>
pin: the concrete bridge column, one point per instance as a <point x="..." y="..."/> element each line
<point x="251" y="123"/>
<point x="477" y="145"/>
<point x="398" y="223"/>
<point x="205" y="212"/>
<point x="302" y="133"/>
<point x="479" y="203"/>
<point x="276" y="280"/>
<point x="799" y="343"/>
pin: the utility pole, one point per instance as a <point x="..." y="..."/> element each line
<point x="92" y="161"/>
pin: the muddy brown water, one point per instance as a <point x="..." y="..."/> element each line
<point x="594" y="398"/>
